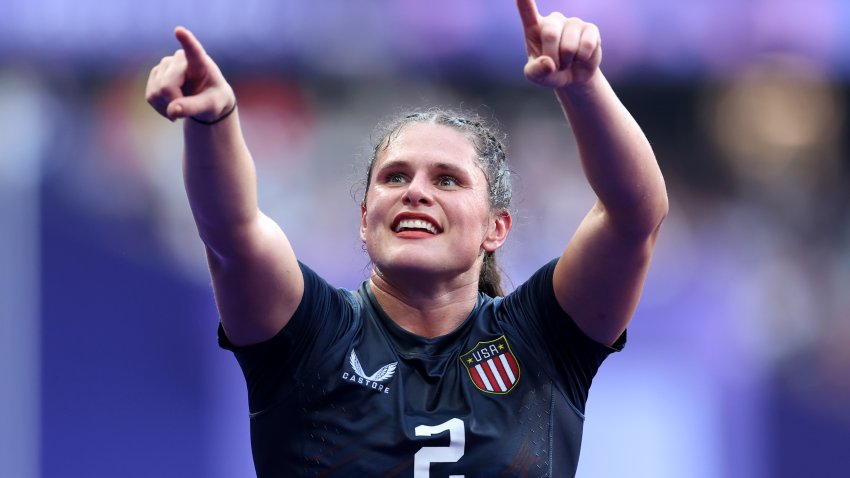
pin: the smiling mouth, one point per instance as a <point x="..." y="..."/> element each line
<point x="415" y="225"/>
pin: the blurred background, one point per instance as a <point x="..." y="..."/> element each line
<point x="738" y="363"/>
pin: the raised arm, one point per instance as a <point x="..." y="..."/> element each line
<point x="256" y="277"/>
<point x="600" y="276"/>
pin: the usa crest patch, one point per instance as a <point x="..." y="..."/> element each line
<point x="492" y="366"/>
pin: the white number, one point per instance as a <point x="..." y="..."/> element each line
<point x="439" y="454"/>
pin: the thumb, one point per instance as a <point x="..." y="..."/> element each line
<point x="189" y="106"/>
<point x="538" y="68"/>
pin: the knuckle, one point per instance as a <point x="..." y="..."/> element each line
<point x="570" y="43"/>
<point x="550" y="33"/>
<point x="569" y="46"/>
<point x="162" y="94"/>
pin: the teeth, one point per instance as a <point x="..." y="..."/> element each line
<point x="415" y="224"/>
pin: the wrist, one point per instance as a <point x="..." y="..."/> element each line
<point x="583" y="86"/>
<point x="221" y="118"/>
<point x="579" y="92"/>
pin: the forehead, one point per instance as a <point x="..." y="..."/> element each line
<point x="431" y="143"/>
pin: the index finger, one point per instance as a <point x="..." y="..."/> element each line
<point x="528" y="13"/>
<point x="191" y="46"/>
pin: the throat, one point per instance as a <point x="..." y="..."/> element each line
<point x="424" y="314"/>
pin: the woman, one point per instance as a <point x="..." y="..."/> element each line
<point x="422" y="372"/>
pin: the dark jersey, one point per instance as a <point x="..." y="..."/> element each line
<point x="342" y="391"/>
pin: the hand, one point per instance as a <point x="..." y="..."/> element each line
<point x="561" y="51"/>
<point x="189" y="83"/>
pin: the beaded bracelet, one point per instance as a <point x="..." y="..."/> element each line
<point x="220" y="118"/>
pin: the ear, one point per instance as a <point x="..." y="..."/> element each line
<point x="363" y="221"/>
<point x="500" y="226"/>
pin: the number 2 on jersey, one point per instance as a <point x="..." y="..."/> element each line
<point x="439" y="454"/>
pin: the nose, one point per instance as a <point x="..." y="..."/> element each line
<point x="418" y="192"/>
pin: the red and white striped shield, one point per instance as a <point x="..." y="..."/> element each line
<point x="492" y="366"/>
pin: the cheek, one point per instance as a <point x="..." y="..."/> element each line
<point x="373" y="207"/>
<point x="475" y="212"/>
<point x="374" y="215"/>
<point x="475" y="224"/>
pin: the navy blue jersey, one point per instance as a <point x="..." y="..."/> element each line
<point x="342" y="391"/>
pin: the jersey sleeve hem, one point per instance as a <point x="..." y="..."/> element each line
<point x="285" y="333"/>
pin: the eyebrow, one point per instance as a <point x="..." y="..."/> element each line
<point x="441" y="166"/>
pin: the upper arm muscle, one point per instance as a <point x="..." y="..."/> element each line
<point x="258" y="289"/>
<point x="599" y="277"/>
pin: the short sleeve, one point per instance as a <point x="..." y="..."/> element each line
<point x="324" y="314"/>
<point x="536" y="316"/>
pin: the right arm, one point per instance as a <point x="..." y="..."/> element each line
<point x="256" y="278"/>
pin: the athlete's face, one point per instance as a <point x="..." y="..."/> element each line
<point x="427" y="208"/>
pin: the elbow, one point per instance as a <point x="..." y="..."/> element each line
<point x="651" y="215"/>
<point x="650" y="210"/>
<point x="661" y="208"/>
<point x="660" y="214"/>
<point x="235" y="241"/>
<point x="640" y="219"/>
<point x="646" y="224"/>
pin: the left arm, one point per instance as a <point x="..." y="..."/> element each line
<point x="601" y="273"/>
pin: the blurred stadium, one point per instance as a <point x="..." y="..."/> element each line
<point x="738" y="363"/>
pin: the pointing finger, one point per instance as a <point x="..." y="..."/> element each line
<point x="191" y="46"/>
<point x="528" y="13"/>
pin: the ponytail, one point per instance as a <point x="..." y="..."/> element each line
<point x="489" y="280"/>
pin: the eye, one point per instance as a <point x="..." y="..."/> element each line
<point x="448" y="181"/>
<point x="395" y="178"/>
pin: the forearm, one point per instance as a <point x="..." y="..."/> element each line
<point x="615" y="155"/>
<point x="220" y="180"/>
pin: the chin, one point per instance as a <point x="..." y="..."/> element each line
<point x="412" y="263"/>
<point x="423" y="258"/>
<point x="422" y="264"/>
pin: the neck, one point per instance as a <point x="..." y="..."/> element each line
<point x="427" y="312"/>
